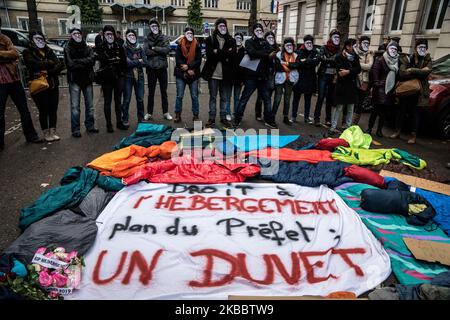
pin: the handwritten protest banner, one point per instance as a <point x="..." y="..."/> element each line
<point x="159" y="241"/>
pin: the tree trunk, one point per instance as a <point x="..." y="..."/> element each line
<point x="343" y="18"/>
<point x="33" y="22"/>
<point x="252" y="21"/>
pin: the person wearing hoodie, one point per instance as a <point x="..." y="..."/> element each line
<point x="188" y="58"/>
<point x="286" y="65"/>
<point x="260" y="50"/>
<point x="416" y="66"/>
<point x="346" y="89"/>
<point x="136" y="62"/>
<point x="271" y="39"/>
<point x="41" y="60"/>
<point x="366" y="61"/>
<point x="111" y="75"/>
<point x="218" y="71"/>
<point x="80" y="60"/>
<point x="157" y="48"/>
<point x="327" y="74"/>
<point x="237" y="71"/>
<point x="308" y="57"/>
<point x="384" y="78"/>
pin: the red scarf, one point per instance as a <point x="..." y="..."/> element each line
<point x="289" y="58"/>
<point x="188" y="49"/>
<point x="331" y="47"/>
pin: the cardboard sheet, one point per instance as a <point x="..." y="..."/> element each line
<point x="418" y="182"/>
<point x="431" y="251"/>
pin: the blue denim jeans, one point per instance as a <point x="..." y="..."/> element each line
<point x="139" y="93"/>
<point x="75" y="95"/>
<point x="326" y="90"/>
<point x="193" y="88"/>
<point x="337" y="111"/>
<point x="236" y="91"/>
<point x="224" y="89"/>
<point x="250" y="85"/>
<point x="296" y="102"/>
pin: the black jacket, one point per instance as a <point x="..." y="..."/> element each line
<point x="307" y="75"/>
<point x="113" y="62"/>
<point x="237" y="71"/>
<point x="327" y="59"/>
<point x="194" y="65"/>
<point x="156" y="57"/>
<point x="36" y="64"/>
<point x="346" y="91"/>
<point x="259" y="49"/>
<point x="223" y="55"/>
<point x="80" y="59"/>
<point x="379" y="73"/>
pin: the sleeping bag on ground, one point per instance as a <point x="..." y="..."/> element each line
<point x="416" y="208"/>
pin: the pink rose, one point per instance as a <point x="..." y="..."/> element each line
<point x="59" y="280"/>
<point x="45" y="279"/>
<point x="41" y="250"/>
<point x="53" y="294"/>
<point x="71" y="255"/>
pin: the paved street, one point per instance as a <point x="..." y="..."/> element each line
<point x="27" y="170"/>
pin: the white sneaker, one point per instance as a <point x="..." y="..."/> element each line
<point x="148" y="116"/>
<point x="228" y="117"/>
<point x="48" y="136"/>
<point x="167" y="116"/>
<point x="53" y="134"/>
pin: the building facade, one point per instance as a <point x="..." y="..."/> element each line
<point x="172" y="14"/>
<point x="407" y="19"/>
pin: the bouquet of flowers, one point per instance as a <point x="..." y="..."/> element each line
<point x="56" y="271"/>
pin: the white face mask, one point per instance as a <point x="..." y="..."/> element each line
<point x="109" y="37"/>
<point x="238" y="41"/>
<point x="289" y="48"/>
<point x="309" y="45"/>
<point x="154" y="28"/>
<point x="270" y="40"/>
<point x="336" y="39"/>
<point x="365" y="46"/>
<point x="393" y="52"/>
<point x="189" y="36"/>
<point x="222" y="29"/>
<point x="77" y="37"/>
<point x="131" y="38"/>
<point x="422" y="50"/>
<point x="39" y="42"/>
<point x="259" y="33"/>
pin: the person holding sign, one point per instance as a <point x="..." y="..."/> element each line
<point x="188" y="59"/>
<point x="256" y="63"/>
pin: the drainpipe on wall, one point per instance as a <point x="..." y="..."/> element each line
<point x="329" y="18"/>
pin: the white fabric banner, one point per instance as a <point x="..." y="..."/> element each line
<point x="159" y="241"/>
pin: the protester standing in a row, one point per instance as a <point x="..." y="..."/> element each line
<point x="366" y="62"/>
<point x="218" y="71"/>
<point x="286" y="66"/>
<point x="237" y="71"/>
<point x="416" y="66"/>
<point x="306" y="85"/>
<point x="157" y="48"/>
<point x="346" y="90"/>
<point x="257" y="49"/>
<point x="80" y="59"/>
<point x="10" y="85"/>
<point x="327" y="73"/>
<point x="40" y="60"/>
<point x="113" y="65"/>
<point x="385" y="71"/>
<point x="188" y="58"/>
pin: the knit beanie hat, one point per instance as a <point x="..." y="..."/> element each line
<point x="109" y="27"/>
<point x="308" y="37"/>
<point x="289" y="40"/>
<point x="130" y="31"/>
<point x="257" y="25"/>
<point x="75" y="29"/>
<point x="364" y="38"/>
<point x="219" y="21"/>
<point x="154" y="21"/>
<point x="269" y="33"/>
<point x="189" y="29"/>
<point x="334" y="31"/>
<point x="421" y="42"/>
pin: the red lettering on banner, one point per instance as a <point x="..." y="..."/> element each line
<point x="262" y="207"/>
<point x="207" y="273"/>
<point x="96" y="274"/>
<point x="344" y="254"/>
<point x="246" y="275"/>
<point x="138" y="203"/>
<point x="162" y="203"/>
<point x="174" y="202"/>
<point x="310" y="276"/>
<point x="292" y="278"/>
<point x="332" y="206"/>
<point x="137" y="259"/>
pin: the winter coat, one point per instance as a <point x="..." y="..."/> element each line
<point x="36" y="63"/>
<point x="156" y="57"/>
<point x="146" y="135"/>
<point x="194" y="65"/>
<point x="346" y="90"/>
<point x="259" y="49"/>
<point x="416" y="64"/>
<point x="113" y="62"/>
<point x="280" y="74"/>
<point x="366" y="62"/>
<point x="223" y="55"/>
<point x="133" y="56"/>
<point x="307" y="79"/>
<point x="380" y="71"/>
<point x="237" y="71"/>
<point x="327" y="60"/>
<point x="80" y="59"/>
